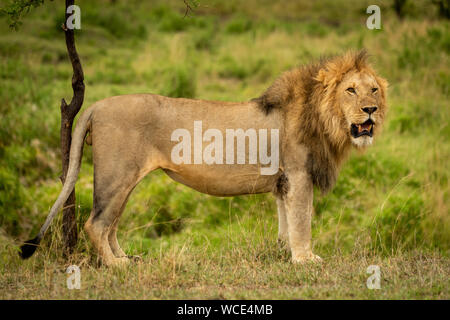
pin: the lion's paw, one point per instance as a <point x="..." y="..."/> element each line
<point x="306" y="258"/>
<point x="117" y="262"/>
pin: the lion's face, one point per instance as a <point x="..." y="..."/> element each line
<point x="361" y="98"/>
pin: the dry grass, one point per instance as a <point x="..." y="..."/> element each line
<point x="256" y="270"/>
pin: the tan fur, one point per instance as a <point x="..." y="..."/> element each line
<point x="130" y="136"/>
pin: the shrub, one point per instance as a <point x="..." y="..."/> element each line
<point x="238" y="25"/>
<point x="180" y="83"/>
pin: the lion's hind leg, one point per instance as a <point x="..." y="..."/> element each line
<point x="111" y="191"/>
<point x="113" y="242"/>
<point x="112" y="237"/>
<point x="102" y="223"/>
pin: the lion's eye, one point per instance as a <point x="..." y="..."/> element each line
<point x="374" y="90"/>
<point x="351" y="90"/>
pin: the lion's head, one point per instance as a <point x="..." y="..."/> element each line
<point x="329" y="106"/>
<point x="354" y="103"/>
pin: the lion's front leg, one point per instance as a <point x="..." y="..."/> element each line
<point x="299" y="207"/>
<point x="283" y="235"/>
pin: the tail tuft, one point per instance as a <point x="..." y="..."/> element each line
<point x="29" y="247"/>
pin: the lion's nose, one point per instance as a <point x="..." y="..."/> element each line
<point x="369" y="110"/>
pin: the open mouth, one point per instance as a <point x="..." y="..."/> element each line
<point x="362" y="129"/>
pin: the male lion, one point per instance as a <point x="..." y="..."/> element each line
<point x="319" y="110"/>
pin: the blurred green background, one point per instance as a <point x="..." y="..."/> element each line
<point x="393" y="198"/>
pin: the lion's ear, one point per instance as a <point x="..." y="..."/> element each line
<point x="327" y="75"/>
<point x="321" y="76"/>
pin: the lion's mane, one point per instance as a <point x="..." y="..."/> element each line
<point x="306" y="95"/>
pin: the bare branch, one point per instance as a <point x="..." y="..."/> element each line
<point x="189" y="7"/>
<point x="68" y="113"/>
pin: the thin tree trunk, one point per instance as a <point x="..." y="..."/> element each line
<point x="68" y="113"/>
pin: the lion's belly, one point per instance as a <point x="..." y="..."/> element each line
<point x="225" y="180"/>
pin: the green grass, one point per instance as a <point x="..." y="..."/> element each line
<point x="390" y="206"/>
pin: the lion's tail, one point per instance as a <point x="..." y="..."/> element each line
<point x="76" y="152"/>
